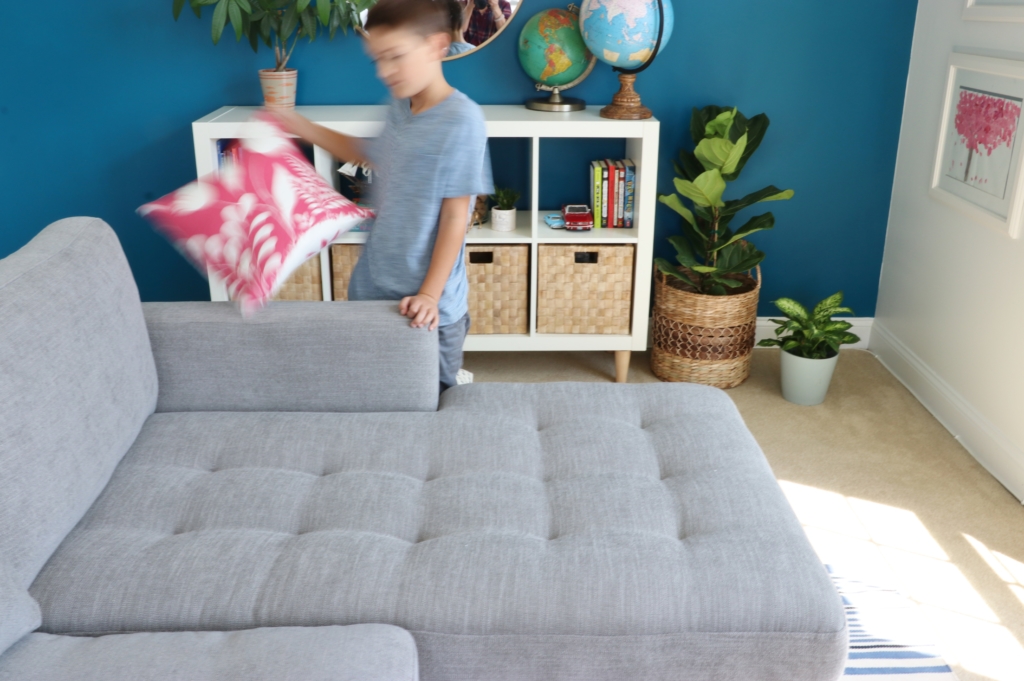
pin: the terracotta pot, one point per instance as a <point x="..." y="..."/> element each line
<point x="278" y="88"/>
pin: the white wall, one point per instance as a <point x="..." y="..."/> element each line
<point x="950" y="319"/>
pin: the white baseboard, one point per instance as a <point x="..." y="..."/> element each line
<point x="978" y="435"/>
<point x="861" y="327"/>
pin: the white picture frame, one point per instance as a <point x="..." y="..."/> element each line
<point x="981" y="135"/>
<point x="994" y="10"/>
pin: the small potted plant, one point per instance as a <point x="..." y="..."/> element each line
<point x="503" y="214"/>
<point x="810" y="347"/>
<point x="279" y="24"/>
<point x="705" y="303"/>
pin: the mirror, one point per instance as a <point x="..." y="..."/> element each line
<point x="482" y="21"/>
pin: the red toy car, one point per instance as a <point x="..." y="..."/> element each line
<point x="578" y="217"/>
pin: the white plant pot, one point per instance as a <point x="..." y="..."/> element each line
<point x="503" y="220"/>
<point x="805" y="381"/>
<point x="278" y="88"/>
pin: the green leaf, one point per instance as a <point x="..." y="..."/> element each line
<point x="847" y="338"/>
<point x="323" y="8"/>
<point x="826" y="307"/>
<point x="178" y="5"/>
<point x="236" y="18"/>
<point x="734" y="156"/>
<point x="704" y="269"/>
<point x="842" y="310"/>
<point x="684" y="251"/>
<point x="220" y="17"/>
<point x="713" y="152"/>
<point x="244" y="6"/>
<point x="720" y="125"/>
<point x="836" y="325"/>
<point x="301" y="5"/>
<point x="308" y="24"/>
<point x="667" y="268"/>
<point x="673" y="202"/>
<point x="197" y="9"/>
<point x="757" y="223"/>
<point x="792" y="309"/>
<point x="755" y="128"/>
<point x="769" y="193"/>
<point x="706" y="190"/>
<point x="691" y="167"/>
<point x="289" y="22"/>
<point x="725" y="281"/>
<point x="698" y="123"/>
<point x="769" y="342"/>
<point x="254" y="37"/>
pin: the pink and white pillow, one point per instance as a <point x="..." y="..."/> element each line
<point x="259" y="219"/>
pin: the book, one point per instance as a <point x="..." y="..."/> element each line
<point x="595" y="192"/>
<point x="630" y="193"/>
<point x="604" y="194"/>
<point x="612" y="192"/>
<point x="620" y="213"/>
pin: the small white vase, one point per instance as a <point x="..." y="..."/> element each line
<point x="278" y="88"/>
<point x="503" y="220"/>
<point x="805" y="381"/>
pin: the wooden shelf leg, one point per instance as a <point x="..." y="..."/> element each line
<point x="622" y="365"/>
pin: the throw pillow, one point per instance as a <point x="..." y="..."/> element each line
<point x="257" y="220"/>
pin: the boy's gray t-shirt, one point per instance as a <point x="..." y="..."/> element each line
<point x="418" y="161"/>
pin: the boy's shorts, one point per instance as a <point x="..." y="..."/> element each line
<point x="450" y="339"/>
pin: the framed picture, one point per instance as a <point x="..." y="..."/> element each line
<point x="978" y="156"/>
<point x="994" y="10"/>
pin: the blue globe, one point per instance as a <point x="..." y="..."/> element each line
<point x="623" y="32"/>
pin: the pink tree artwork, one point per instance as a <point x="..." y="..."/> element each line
<point x="984" y="122"/>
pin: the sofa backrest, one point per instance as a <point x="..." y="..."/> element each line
<point x="77" y="381"/>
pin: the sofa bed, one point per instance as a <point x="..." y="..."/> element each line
<point x="189" y="494"/>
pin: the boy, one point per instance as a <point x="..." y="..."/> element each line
<point x="429" y="162"/>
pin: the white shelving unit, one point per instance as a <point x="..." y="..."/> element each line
<point x="641" y="138"/>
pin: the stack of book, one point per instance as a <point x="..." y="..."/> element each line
<point x="227" y="153"/>
<point x="613" y="185"/>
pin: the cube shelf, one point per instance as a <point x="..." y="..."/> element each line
<point x="641" y="145"/>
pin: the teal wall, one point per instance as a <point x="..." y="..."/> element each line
<point x="96" y="106"/>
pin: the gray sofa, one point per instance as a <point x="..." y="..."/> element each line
<point x="185" y="494"/>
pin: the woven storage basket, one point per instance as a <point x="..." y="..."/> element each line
<point x="499" y="285"/>
<point x="304" y="284"/>
<point x="343" y="261"/>
<point x="703" y="339"/>
<point x="584" y="288"/>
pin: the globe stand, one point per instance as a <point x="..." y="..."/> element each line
<point x="626" y="104"/>
<point x="556" y="102"/>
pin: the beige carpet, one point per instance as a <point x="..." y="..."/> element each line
<point x="885" y="493"/>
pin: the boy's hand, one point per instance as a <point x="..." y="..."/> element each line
<point x="292" y="122"/>
<point x="421" y="309"/>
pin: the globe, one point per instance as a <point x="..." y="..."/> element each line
<point x="622" y="33"/>
<point x="551" y="48"/>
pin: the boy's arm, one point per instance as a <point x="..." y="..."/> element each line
<point x="451" y="232"/>
<point x="345" y="147"/>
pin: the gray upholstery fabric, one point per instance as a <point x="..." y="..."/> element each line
<point x="562" y="531"/>
<point x="350" y="357"/>
<point x="76" y="383"/>
<point x="363" y="652"/>
<point x="19" y="613"/>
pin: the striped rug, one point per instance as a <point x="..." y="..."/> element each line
<point x="885" y="639"/>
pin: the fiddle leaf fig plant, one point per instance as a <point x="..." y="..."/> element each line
<point x="814" y="335"/>
<point x="709" y="248"/>
<point x="279" y="24"/>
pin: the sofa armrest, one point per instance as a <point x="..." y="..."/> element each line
<point x="318" y="357"/>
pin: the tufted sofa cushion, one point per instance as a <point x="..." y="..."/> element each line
<point x="523" y="531"/>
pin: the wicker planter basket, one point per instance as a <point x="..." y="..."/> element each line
<point x="704" y="339"/>
<point x="499" y="288"/>
<point x="584" y="288"/>
<point x="343" y="261"/>
<point x="304" y="284"/>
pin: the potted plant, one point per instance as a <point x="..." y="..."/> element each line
<point x="810" y="346"/>
<point x="503" y="214"/>
<point x="705" y="308"/>
<point x="279" y="24"/>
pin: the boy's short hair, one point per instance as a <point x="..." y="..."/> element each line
<point x="425" y="17"/>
